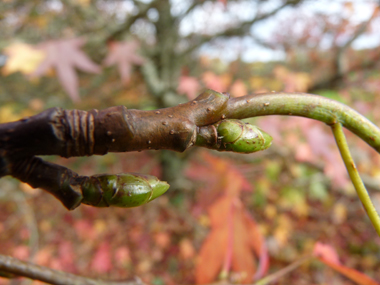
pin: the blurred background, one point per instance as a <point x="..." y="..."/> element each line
<point x="230" y="217"/>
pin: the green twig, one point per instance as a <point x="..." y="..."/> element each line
<point x="304" y="105"/>
<point x="355" y="177"/>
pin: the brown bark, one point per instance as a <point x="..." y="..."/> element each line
<point x="78" y="133"/>
<point x="69" y="133"/>
<point x="17" y="267"/>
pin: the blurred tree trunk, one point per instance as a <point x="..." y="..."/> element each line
<point x="166" y="66"/>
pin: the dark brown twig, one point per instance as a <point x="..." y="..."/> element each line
<point x="21" y="268"/>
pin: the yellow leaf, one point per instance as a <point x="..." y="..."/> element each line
<point x="186" y="249"/>
<point x="270" y="211"/>
<point x="256" y="82"/>
<point x="339" y="213"/>
<point x="83" y="2"/>
<point x="7" y="114"/>
<point x="302" y="81"/>
<point x="100" y="226"/>
<point x="283" y="231"/>
<point x="23" y="58"/>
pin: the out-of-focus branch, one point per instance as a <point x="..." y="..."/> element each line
<point x="21" y="268"/>
<point x="123" y="28"/>
<point x="338" y="77"/>
<point x="197" y="40"/>
<point x="192" y="6"/>
<point x="359" y="31"/>
<point x="339" y="67"/>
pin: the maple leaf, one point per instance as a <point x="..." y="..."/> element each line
<point x="234" y="239"/>
<point x="22" y="57"/>
<point x="189" y="86"/>
<point x="64" y="56"/>
<point x="124" y="55"/>
<point x="217" y="174"/>
<point x="232" y="244"/>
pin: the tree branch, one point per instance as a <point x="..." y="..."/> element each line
<point x="117" y="129"/>
<point x="143" y="9"/>
<point x="240" y="30"/>
<point x="305" y="105"/>
<point x="78" y="133"/>
<point x="340" y="72"/>
<point x="199" y="122"/>
<point x="21" y="268"/>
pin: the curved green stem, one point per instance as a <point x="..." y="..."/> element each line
<point x="322" y="109"/>
<point x="305" y="105"/>
<point x="355" y="177"/>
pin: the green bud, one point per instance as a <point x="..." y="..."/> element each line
<point x="237" y="136"/>
<point x="122" y="190"/>
<point x="230" y="130"/>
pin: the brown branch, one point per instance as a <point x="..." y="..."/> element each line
<point x="117" y="129"/>
<point x="21" y="268"/>
<point x="78" y="133"/>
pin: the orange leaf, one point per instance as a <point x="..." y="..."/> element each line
<point x="233" y="240"/>
<point x="328" y="255"/>
<point x="211" y="256"/>
<point x="238" y="88"/>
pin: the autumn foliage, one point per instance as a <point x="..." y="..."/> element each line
<point x="289" y="213"/>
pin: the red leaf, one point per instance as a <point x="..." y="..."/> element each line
<point x="124" y="55"/>
<point x="189" y="86"/>
<point x="85" y="229"/>
<point x="214" y="81"/>
<point x="122" y="256"/>
<point x="219" y="176"/>
<point x="21" y="252"/>
<point x="66" y="255"/>
<point x="322" y="144"/>
<point x="65" y="56"/>
<point x="326" y="252"/>
<point x="102" y="259"/>
<point x="328" y="255"/>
